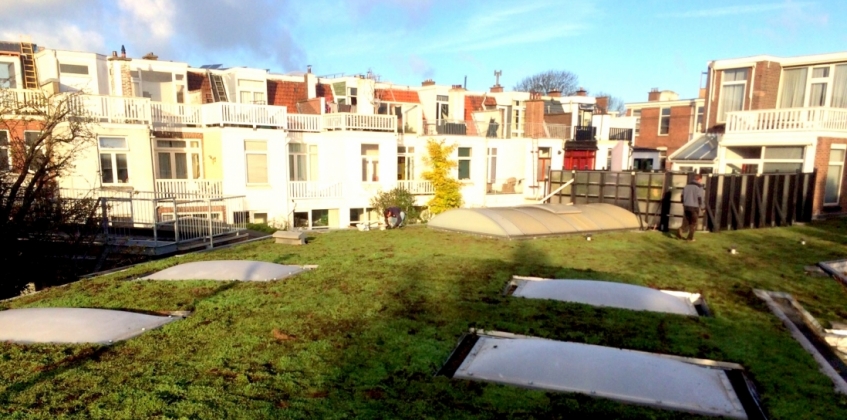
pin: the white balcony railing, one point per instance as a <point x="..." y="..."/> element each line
<point x="316" y="189"/>
<point x="417" y="187"/>
<point x="17" y="99"/>
<point x="171" y="115"/>
<point x="305" y="122"/>
<point x="227" y="113"/>
<point x="188" y="187"/>
<point x="788" y="119"/>
<point x="344" y="121"/>
<point x="114" y="109"/>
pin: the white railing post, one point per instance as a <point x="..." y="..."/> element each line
<point x="176" y="222"/>
<point x="209" y="215"/>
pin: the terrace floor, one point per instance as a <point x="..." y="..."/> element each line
<point x="363" y="335"/>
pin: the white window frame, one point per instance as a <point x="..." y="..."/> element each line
<point x="842" y="147"/>
<point x="826" y="81"/>
<point x="5" y="157"/>
<point x="637" y="114"/>
<point x="721" y="111"/>
<point x="254" y="90"/>
<point x="256" y="152"/>
<point x="662" y="117"/>
<point x="192" y="147"/>
<point x="461" y="159"/>
<point x="309" y="160"/>
<point x="370" y="164"/>
<point x="492" y="165"/>
<point x="761" y="161"/>
<point x="407" y="153"/>
<point x="113" y="152"/>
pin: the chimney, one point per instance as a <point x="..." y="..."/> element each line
<point x="555" y="93"/>
<point x="581" y="92"/>
<point x="496" y="89"/>
<point x="123" y="52"/>
<point x="602" y="104"/>
<point x="428" y="82"/>
<point x="534" y="96"/>
<point x="457" y="87"/>
<point x="654" y="95"/>
<point x="309" y="68"/>
<point x="311" y="83"/>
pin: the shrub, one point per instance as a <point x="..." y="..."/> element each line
<point x="447" y="189"/>
<point x="397" y="197"/>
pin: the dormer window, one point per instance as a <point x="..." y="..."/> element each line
<point x="732" y="92"/>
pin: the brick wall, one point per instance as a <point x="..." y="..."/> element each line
<point x="534" y="117"/>
<point x="126" y="79"/>
<point x="766" y="85"/>
<point x="678" y="132"/>
<point x="16" y="128"/>
<point x="713" y="100"/>
<point x="821" y="166"/>
<point x="200" y="81"/>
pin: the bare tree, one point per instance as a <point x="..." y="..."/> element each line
<point x="562" y="80"/>
<point x="615" y="104"/>
<point x="41" y="135"/>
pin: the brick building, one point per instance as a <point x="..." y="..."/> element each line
<point x="664" y="124"/>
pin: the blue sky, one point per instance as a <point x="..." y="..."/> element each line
<point x="620" y="47"/>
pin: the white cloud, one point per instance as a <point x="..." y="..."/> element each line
<point x="150" y="17"/>
<point x="735" y="10"/>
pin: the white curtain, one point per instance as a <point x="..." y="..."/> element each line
<point x="839" y="87"/>
<point x="793" y="88"/>
<point x="732" y="98"/>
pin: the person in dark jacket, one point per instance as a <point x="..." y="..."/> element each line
<point x="692" y="202"/>
<point x="394" y="217"/>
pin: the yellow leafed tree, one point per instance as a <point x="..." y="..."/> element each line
<point x="447" y="188"/>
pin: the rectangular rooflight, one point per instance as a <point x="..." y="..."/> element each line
<point x="668" y="382"/>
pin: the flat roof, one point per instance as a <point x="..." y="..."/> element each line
<point x="241" y="270"/>
<point x="75" y="325"/>
<point x="536" y="220"/>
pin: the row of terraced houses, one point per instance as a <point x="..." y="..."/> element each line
<point x="311" y="151"/>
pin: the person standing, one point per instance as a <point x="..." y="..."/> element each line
<point x="692" y="202"/>
<point x="394" y="217"/>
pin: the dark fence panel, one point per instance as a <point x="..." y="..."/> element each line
<point x="732" y="201"/>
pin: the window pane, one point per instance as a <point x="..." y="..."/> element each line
<point x="181" y="165"/>
<point x="123" y="168"/>
<point x="296" y="148"/>
<point x="734" y="75"/>
<point x="743" y="152"/>
<point x="370" y="150"/>
<point x="793" y="88"/>
<point x="4" y="138"/>
<point x="246" y="97"/>
<point x="832" y="191"/>
<point x="820" y="72"/>
<point x="165" y="166"/>
<point x="73" y="69"/>
<point x="257" y="145"/>
<point x="783" y="152"/>
<point x="291" y="174"/>
<point x="4" y="159"/>
<point x="30" y="137"/>
<point x="195" y="166"/>
<point x="464" y="169"/>
<point x="732" y="99"/>
<point x="836" y="156"/>
<point x="257" y="169"/>
<point x="817" y="97"/>
<point x="106" y="173"/>
<point x="839" y="87"/>
<point x="770" y="167"/>
<point x="300" y="164"/>
<point x="464" y="152"/>
<point x="112" y="143"/>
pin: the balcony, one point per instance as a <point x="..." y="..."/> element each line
<point x="546" y="131"/>
<point x="417" y="187"/>
<point x="624" y="134"/>
<point x="344" y="121"/>
<point x="584" y="133"/>
<point x="492" y="130"/>
<point x="227" y="113"/>
<point x="188" y="187"/>
<point x="316" y="189"/>
<point x="788" y="119"/>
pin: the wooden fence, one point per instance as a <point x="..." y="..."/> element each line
<point x="732" y="201"/>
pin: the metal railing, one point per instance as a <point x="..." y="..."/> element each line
<point x="787" y="119"/>
<point x="189" y="187"/>
<point x="584" y="133"/>
<point x="178" y="219"/>
<point x="316" y="189"/>
<point x="620" y="134"/>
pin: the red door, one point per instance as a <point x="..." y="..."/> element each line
<point x="579" y="159"/>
